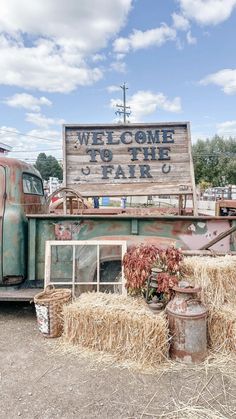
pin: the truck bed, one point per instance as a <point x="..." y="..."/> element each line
<point x="13" y="294"/>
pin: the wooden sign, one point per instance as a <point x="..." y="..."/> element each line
<point x="131" y="159"/>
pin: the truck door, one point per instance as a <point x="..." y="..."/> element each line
<point x="2" y="207"/>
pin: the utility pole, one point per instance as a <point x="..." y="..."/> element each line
<point x="123" y="109"/>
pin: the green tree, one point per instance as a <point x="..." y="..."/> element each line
<point x="215" y="161"/>
<point x="48" y="166"/>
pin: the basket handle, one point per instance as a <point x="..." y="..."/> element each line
<point x="49" y="288"/>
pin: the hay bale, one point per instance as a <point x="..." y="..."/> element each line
<point x="122" y="326"/>
<point x="216" y="276"/>
<point x="222" y="328"/>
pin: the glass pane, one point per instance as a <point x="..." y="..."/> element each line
<point x="32" y="184"/>
<point x="79" y="289"/>
<point x="110" y="263"/>
<point x="86" y="263"/>
<point x="61" y="263"/>
<point x="113" y="289"/>
<point x="110" y="271"/>
<point x="26" y="185"/>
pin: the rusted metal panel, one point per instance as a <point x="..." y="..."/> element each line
<point x="188" y="233"/>
<point x="30" y="203"/>
<point x="134" y="159"/>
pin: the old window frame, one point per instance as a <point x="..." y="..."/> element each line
<point x="75" y="243"/>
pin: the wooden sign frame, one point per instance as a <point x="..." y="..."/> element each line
<point x="128" y="159"/>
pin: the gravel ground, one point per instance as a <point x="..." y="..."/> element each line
<point x="38" y="381"/>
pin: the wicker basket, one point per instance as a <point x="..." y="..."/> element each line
<point x="48" y="305"/>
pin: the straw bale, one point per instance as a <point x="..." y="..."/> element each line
<point x="119" y="325"/>
<point x="216" y="276"/>
<point x="222" y="328"/>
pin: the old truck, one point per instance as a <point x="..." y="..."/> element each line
<point x="26" y="223"/>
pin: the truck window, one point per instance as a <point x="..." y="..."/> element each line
<point x="32" y="184"/>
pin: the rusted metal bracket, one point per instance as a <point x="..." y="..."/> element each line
<point x="134" y="226"/>
<point x="218" y="238"/>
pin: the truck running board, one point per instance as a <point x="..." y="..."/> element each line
<point x="22" y="294"/>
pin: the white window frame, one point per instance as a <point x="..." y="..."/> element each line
<point x="75" y="243"/>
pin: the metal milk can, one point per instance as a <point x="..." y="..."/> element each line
<point x="188" y="325"/>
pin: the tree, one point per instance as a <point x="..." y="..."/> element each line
<point x="215" y="161"/>
<point x="48" y="166"/>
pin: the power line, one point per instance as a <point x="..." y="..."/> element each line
<point x="35" y="151"/>
<point x="27" y="135"/>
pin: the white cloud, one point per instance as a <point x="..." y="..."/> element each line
<point x="43" y="67"/>
<point x="120" y="56"/>
<point x="180" y="22"/>
<point x="61" y="36"/>
<point x="227" y="128"/>
<point x="46" y="137"/>
<point x="144" y="103"/>
<point x="112" y="89"/>
<point x="191" y="39"/>
<point x="198" y="135"/>
<point x="98" y="57"/>
<point x="122" y="45"/>
<point x="27" y="146"/>
<point x="41" y="120"/>
<point x="207" y="12"/>
<point x="226" y="79"/>
<point x="86" y="25"/>
<point x="26" y="101"/>
<point x="145" y="39"/>
<point x="179" y="44"/>
<point x="118" y="66"/>
<point x="9" y="135"/>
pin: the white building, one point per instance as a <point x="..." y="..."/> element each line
<point x="4" y="148"/>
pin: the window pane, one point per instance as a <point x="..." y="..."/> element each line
<point x="32" y="184"/>
<point x="110" y="263"/>
<point x="86" y="263"/>
<point x="61" y="263"/>
<point x="111" y="289"/>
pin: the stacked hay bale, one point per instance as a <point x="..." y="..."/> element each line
<point x="222" y="328"/>
<point x="217" y="277"/>
<point x="122" y="326"/>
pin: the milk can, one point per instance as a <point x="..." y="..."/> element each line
<point x="188" y="327"/>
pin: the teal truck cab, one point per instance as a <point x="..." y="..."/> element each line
<point x="21" y="193"/>
<point x="26" y="225"/>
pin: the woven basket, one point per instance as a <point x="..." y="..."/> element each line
<point x="48" y="305"/>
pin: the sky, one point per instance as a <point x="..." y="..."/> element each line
<point x="64" y="62"/>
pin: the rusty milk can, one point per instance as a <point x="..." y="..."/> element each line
<point x="188" y="327"/>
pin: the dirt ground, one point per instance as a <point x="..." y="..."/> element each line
<point x="36" y="381"/>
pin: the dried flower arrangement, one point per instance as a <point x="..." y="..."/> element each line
<point x="138" y="263"/>
<point x="168" y="261"/>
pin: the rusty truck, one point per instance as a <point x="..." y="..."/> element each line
<point x="26" y="223"/>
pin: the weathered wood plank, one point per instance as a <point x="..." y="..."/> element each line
<point x="132" y="159"/>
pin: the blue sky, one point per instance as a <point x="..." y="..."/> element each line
<point x="63" y="62"/>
